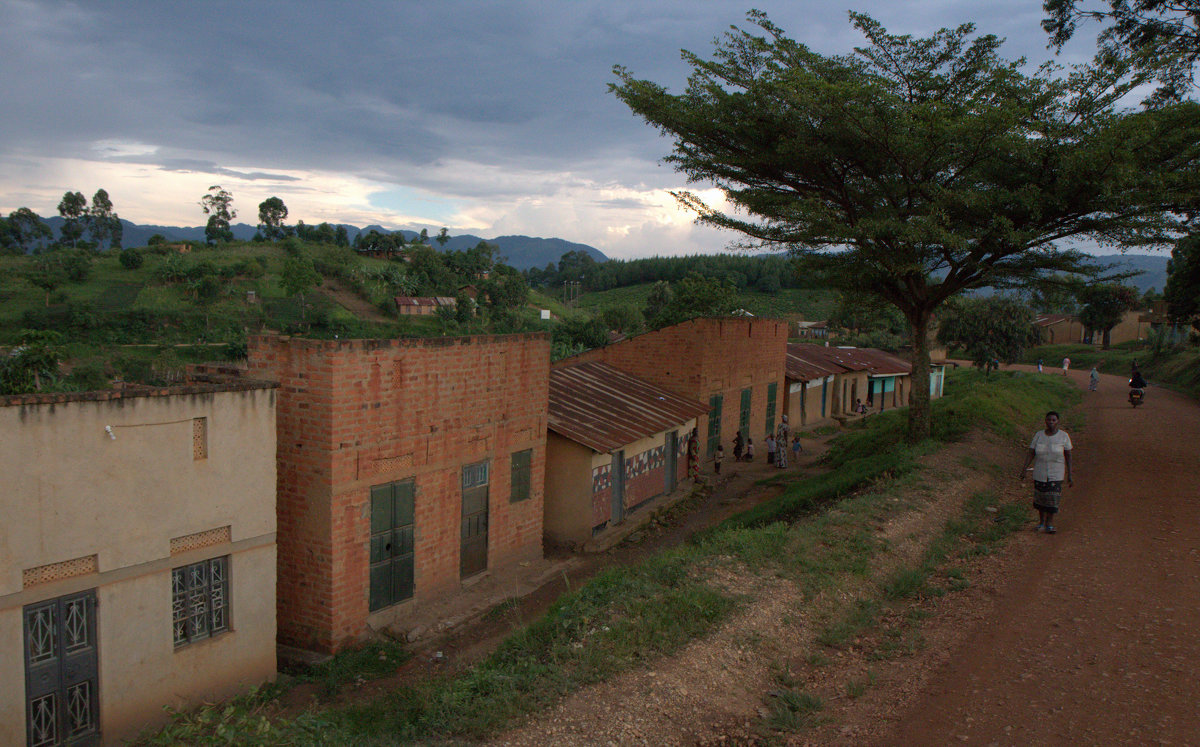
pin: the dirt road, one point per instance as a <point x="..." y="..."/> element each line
<point x="1097" y="637"/>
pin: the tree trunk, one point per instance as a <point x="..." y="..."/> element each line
<point x="919" y="421"/>
<point x="1106" y="339"/>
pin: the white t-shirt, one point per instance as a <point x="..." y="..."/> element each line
<point x="1049" y="462"/>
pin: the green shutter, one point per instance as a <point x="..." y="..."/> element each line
<point x="772" y="389"/>
<point x="744" y="419"/>
<point x="393" y="509"/>
<point x="714" y="422"/>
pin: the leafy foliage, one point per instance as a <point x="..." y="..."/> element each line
<point x="932" y="165"/>
<point x="1160" y="37"/>
<point x="1183" y="282"/>
<point x="218" y="206"/>
<point x="271" y="215"/>
<point x="989" y="329"/>
<point x="692" y="297"/>
<point x="1104" y="304"/>
<point x="33" y="364"/>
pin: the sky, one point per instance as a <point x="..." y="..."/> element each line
<point x="489" y="118"/>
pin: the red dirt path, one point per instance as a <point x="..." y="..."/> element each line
<point x="1097" y="639"/>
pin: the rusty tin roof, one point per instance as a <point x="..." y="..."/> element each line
<point x="808" y="362"/>
<point x="604" y="408"/>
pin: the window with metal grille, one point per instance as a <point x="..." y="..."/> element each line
<point x="392" y="543"/>
<point x="200" y="600"/>
<point x="522" y="467"/>
<point x="771" y="390"/>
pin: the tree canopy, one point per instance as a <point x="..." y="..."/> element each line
<point x="1161" y="37"/>
<point x="1183" y="282"/>
<point x="271" y="215"/>
<point x="918" y="168"/>
<point x="218" y="206"/>
<point x="988" y="329"/>
<point x="1103" y="305"/>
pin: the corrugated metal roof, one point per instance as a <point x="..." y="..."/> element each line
<point x="416" y="301"/>
<point x="808" y="362"/>
<point x="604" y="408"/>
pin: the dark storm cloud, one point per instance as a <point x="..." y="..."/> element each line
<point x="389" y="89"/>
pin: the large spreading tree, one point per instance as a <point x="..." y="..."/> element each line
<point x="916" y="169"/>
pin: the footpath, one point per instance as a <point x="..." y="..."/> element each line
<point x="1095" y="638"/>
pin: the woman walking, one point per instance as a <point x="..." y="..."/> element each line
<point x="1050" y="455"/>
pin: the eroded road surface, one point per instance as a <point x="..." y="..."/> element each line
<point x="1097" y="640"/>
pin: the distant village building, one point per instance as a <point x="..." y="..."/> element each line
<point x="828" y="382"/>
<point x="422" y="305"/>
<point x="734" y="364"/>
<point x="407" y="468"/>
<point x="812" y="330"/>
<point x="615" y="444"/>
<point x="137" y="556"/>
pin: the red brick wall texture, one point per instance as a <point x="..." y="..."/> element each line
<point x="357" y="413"/>
<point x="704" y="357"/>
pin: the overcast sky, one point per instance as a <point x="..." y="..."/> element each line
<point x="489" y="118"/>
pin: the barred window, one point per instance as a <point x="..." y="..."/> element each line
<point x="200" y="600"/>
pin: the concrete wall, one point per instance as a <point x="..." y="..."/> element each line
<point x="568" y="491"/>
<point x="72" y="492"/>
<point x="358" y="413"/>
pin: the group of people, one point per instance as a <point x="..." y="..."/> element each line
<point x="776" y="446"/>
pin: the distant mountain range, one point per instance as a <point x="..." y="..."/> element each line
<point x="1152" y="266"/>
<point x="521" y="252"/>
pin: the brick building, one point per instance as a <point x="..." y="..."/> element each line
<point x="405" y="467"/>
<point x="735" y="365"/>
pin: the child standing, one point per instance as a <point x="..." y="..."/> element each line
<point x="717" y="457"/>
<point x="749" y="449"/>
<point x="796" y="448"/>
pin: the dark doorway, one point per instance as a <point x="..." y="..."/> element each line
<point x="474" y="550"/>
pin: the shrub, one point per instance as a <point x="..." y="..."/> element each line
<point x="131" y="259"/>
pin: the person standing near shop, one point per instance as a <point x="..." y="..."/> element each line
<point x="1050" y="454"/>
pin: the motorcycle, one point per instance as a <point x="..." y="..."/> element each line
<point x="1136" y="395"/>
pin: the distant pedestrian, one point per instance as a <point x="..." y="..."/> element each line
<point x="749" y="449"/>
<point x="737" y="447"/>
<point x="781" y="443"/>
<point x="717" y="459"/>
<point x="770" y="449"/>
<point x="1039" y="365"/>
<point x="796" y="448"/>
<point x="1050" y="455"/>
<point x="1093" y="379"/>
<point x="1066" y="365"/>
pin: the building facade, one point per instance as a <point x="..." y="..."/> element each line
<point x="137" y="556"/>
<point x="734" y="365"/>
<point x="406" y="468"/>
<point x="617" y="446"/>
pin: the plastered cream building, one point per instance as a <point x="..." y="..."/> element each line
<point x="137" y="556"/>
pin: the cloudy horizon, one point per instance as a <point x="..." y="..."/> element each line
<point x="486" y="118"/>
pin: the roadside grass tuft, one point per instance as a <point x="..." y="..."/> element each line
<point x="370" y="661"/>
<point x="792" y="711"/>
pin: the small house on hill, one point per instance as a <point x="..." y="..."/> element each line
<point x="616" y="443"/>
<point x="422" y="305"/>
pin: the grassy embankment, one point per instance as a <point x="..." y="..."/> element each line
<point x="625" y="617"/>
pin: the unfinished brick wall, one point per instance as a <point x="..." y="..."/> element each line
<point x="353" y="414"/>
<point x="703" y="357"/>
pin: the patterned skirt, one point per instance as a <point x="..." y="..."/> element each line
<point x="1047" y="495"/>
